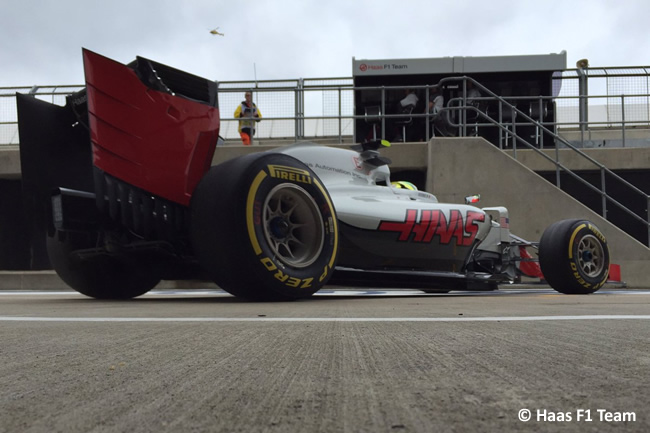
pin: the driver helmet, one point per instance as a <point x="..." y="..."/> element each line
<point x="402" y="184"/>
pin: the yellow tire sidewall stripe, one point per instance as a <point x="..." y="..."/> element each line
<point x="250" y="221"/>
<point x="250" y="203"/>
<point x="573" y="237"/>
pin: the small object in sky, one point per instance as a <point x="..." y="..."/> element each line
<point x="216" y="31"/>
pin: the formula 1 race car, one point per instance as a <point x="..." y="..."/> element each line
<point x="129" y="198"/>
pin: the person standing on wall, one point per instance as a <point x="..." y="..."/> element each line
<point x="249" y="114"/>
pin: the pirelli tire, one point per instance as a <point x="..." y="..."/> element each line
<point x="100" y="276"/>
<point x="574" y="257"/>
<point x="263" y="227"/>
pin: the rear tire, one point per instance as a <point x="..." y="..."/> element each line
<point x="264" y="228"/>
<point x="574" y="257"/>
<point x="101" y="277"/>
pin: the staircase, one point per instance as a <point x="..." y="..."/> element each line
<point x="512" y="126"/>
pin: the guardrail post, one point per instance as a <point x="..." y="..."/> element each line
<point x="623" y="119"/>
<point x="557" y="164"/>
<point x="463" y="113"/>
<point x="427" y="119"/>
<point x="647" y="211"/>
<point x="513" y="115"/>
<point x="603" y="192"/>
<point x="500" y="116"/>
<point x="383" y="112"/>
<point x="583" y="91"/>
<point x="340" y="119"/>
<point x="300" y="110"/>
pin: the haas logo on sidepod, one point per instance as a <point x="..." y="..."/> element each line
<point x="433" y="222"/>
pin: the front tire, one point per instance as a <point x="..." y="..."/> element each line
<point x="264" y="228"/>
<point x="574" y="257"/>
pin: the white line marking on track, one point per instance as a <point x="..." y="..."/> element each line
<point x="326" y="292"/>
<point x="322" y="319"/>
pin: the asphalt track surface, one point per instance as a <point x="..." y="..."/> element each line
<point x="343" y="361"/>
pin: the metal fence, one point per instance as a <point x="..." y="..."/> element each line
<point x="292" y="109"/>
<point x="585" y="99"/>
<point x="8" y="115"/>
<point x="585" y="103"/>
<point x="522" y="115"/>
<point x="604" y="96"/>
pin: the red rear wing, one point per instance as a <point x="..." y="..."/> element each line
<point x="151" y="126"/>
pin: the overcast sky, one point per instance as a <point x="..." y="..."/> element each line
<point x="41" y="40"/>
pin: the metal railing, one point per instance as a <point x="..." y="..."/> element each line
<point x="8" y="116"/>
<point x="312" y="109"/>
<point x="518" y="117"/>
<point x="298" y="117"/>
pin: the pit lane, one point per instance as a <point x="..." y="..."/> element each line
<point x="345" y="360"/>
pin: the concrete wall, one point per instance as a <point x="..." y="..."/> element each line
<point x="614" y="159"/>
<point x="465" y="166"/>
<point x="9" y="162"/>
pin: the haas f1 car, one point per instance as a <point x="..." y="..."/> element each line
<point x="121" y="178"/>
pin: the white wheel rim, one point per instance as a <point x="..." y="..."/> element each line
<point x="591" y="256"/>
<point x="293" y="227"/>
